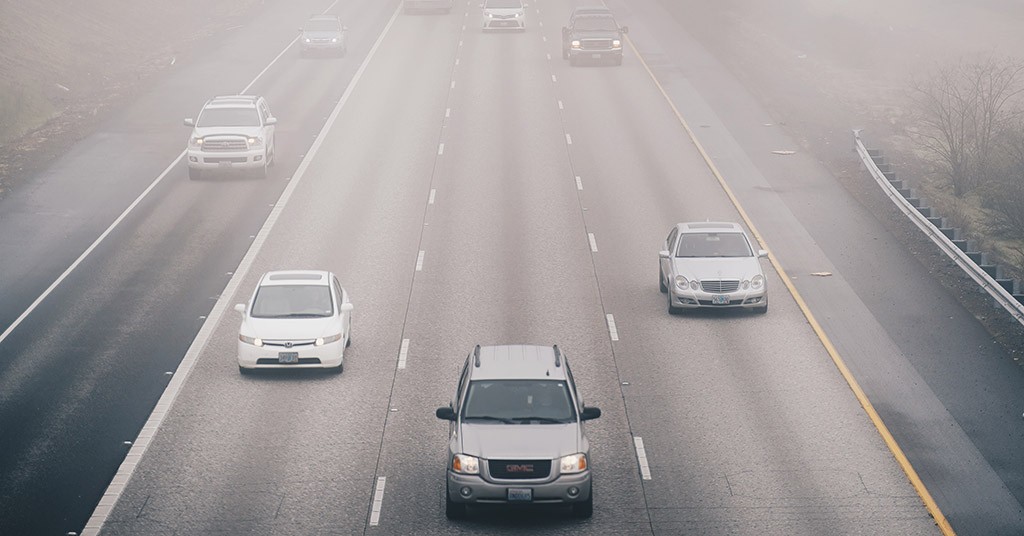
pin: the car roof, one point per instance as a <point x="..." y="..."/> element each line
<point x="233" y="101"/>
<point x="709" y="227"/>
<point x="317" y="18"/>
<point x="296" y="277"/>
<point x="518" y="362"/>
<point x="580" y="10"/>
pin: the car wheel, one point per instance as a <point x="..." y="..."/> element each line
<point x="671" y="308"/>
<point x="452" y="509"/>
<point x="262" y="172"/>
<point x="195" y="174"/>
<point x="763" y="309"/>
<point x="271" y="157"/>
<point x="585" y="509"/>
<point x="338" y="369"/>
<point x="661" y="281"/>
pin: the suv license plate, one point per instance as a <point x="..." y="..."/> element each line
<point x="287" y="358"/>
<point x="596" y="55"/>
<point x="719" y="299"/>
<point x="520" y="494"/>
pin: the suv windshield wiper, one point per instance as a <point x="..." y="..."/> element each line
<point x="543" y="419"/>
<point x="488" y="418"/>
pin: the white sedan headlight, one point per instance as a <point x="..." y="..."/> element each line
<point x="466" y="464"/>
<point x="573" y="463"/>
<point x="757" y="282"/>
<point x="255" y="341"/>
<point x="327" y="340"/>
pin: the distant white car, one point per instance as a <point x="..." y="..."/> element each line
<point x="713" y="265"/>
<point x="295" y="319"/>
<point x="504" y="15"/>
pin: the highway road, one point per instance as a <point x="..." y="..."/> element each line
<point x="472" y="188"/>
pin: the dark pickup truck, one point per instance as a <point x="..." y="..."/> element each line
<point x="593" y="37"/>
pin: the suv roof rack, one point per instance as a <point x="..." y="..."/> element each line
<point x="476" y="356"/>
<point x="558" y="355"/>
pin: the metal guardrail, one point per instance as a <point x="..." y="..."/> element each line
<point x="987" y="282"/>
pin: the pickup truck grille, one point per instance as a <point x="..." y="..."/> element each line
<point x="596" y="44"/>
<point x="225" y="144"/>
<point x="720" y="286"/>
<point x="519" y="469"/>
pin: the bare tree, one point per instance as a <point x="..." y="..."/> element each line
<point x="962" y="110"/>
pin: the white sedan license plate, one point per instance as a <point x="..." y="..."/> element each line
<point x="719" y="299"/>
<point x="287" y="358"/>
<point x="520" y="494"/>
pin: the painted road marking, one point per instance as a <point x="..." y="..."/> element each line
<point x="593" y="242"/>
<point x="641" y="457"/>
<point x="554" y="78"/>
<point x="419" y="261"/>
<point x="453" y="84"/>
<point x="430" y="200"/>
<point x="378" y="501"/>
<point x="568" y="138"/>
<point x="560" y="105"/>
<point x="579" y="183"/>
<point x="549" y="56"/>
<point x="403" y="353"/>
<point x="440" y="149"/>
<point x="612" y="330"/>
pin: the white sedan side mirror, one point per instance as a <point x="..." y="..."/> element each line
<point x="240" y="307"/>
<point x="762" y="253"/>
<point x="346" y="307"/>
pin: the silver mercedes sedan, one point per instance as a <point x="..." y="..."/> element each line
<point x="712" y="265"/>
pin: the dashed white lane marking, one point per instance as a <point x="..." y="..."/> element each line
<point x="463" y="27"/>
<point x="378" y="501"/>
<point x="560" y="105"/>
<point x="579" y="183"/>
<point x="453" y="84"/>
<point x="612" y="331"/>
<point x="460" y="42"/>
<point x="419" y="261"/>
<point x="593" y="242"/>
<point x="440" y="149"/>
<point x="430" y="200"/>
<point x="568" y="139"/>
<point x="554" y="78"/>
<point x="545" y="39"/>
<point x="457" y="59"/>
<point x="548" y="55"/>
<point x="540" y="23"/>
<point x="641" y="458"/>
<point x="403" y="353"/>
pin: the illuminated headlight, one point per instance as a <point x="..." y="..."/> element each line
<point x="518" y="15"/>
<point x="327" y="340"/>
<point x="575" y="43"/>
<point x="489" y="15"/>
<point x="757" y="282"/>
<point x="334" y="39"/>
<point x="745" y="284"/>
<point x="573" y="463"/>
<point x="465" y="464"/>
<point x="195" y="142"/>
<point x="255" y="142"/>
<point x="616" y="43"/>
<point x="255" y="341"/>
<point x="308" y="40"/>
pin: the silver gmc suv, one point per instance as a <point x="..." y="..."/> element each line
<point x="517" y="433"/>
<point x="231" y="132"/>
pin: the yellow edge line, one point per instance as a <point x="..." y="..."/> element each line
<point x="894" y="447"/>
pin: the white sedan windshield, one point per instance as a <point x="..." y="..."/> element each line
<point x="293" y="301"/>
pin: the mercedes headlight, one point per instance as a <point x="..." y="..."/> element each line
<point x="573" y="463"/>
<point x="757" y="282"/>
<point x="466" y="464"/>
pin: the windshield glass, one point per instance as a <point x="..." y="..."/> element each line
<point x="510" y="4"/>
<point x="229" y="117"/>
<point x="596" y="23"/>
<point x="713" y="245"/>
<point x="292" y="301"/>
<point x="322" y="26"/>
<point x="519" y="401"/>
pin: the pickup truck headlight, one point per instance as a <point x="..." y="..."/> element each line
<point x="575" y="43"/>
<point x="466" y="464"/>
<point x="327" y="340"/>
<point x="334" y="39"/>
<point x="255" y="341"/>
<point x="308" y="40"/>
<point x="616" y="43"/>
<point x="573" y="463"/>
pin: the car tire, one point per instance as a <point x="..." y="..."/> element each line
<point x="661" y="281"/>
<point x="672" y="310"/>
<point x="262" y="172"/>
<point x="244" y="371"/>
<point x="338" y="369"/>
<point x="195" y="174"/>
<point x="452" y="509"/>
<point x="585" y="509"/>
<point x="271" y="157"/>
<point x="763" y="309"/>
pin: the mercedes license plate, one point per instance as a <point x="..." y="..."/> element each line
<point x="287" y="358"/>
<point x="719" y="299"/>
<point x="520" y="494"/>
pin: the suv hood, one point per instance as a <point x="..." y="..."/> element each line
<point x="290" y="328"/>
<point x="718" y="268"/>
<point x="202" y="132"/>
<point x="520" y="441"/>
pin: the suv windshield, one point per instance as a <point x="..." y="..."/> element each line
<point x="519" y="401"/>
<point x="322" y="26"/>
<point x="596" y="23"/>
<point x="292" y="301"/>
<point x="713" y="245"/>
<point x="504" y="4"/>
<point x="229" y="117"/>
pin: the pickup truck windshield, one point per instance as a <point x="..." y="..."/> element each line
<point x="596" y="23"/>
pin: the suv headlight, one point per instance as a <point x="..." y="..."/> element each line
<point x="757" y="282"/>
<point x="573" y="463"/>
<point x="466" y="464"/>
<point x="327" y="340"/>
<point x="195" y="142"/>
<point x="575" y="43"/>
<point x="616" y="43"/>
<point x="308" y="40"/>
<point x="255" y="341"/>
<point x="255" y="142"/>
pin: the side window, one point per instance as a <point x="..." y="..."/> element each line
<point x="462" y="382"/>
<point x="572" y="384"/>
<point x="671" y="240"/>
<point x="339" y="292"/>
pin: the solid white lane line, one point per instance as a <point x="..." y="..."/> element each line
<point x="170" y="394"/>
<point x="612" y="331"/>
<point x="593" y="242"/>
<point x="378" y="501"/>
<point x="641" y="458"/>
<point x="440" y="149"/>
<point x="419" y="261"/>
<point x="403" y="353"/>
<point x="579" y="183"/>
<point x="430" y="200"/>
<point x="568" y="139"/>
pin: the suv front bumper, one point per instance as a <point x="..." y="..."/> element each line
<point x="544" y="492"/>
<point x="209" y="161"/>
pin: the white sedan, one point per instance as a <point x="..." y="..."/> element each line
<point x="714" y="265"/>
<point x="295" y="319"/>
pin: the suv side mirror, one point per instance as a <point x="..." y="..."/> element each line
<point x="189" y="122"/>
<point x="271" y="121"/>
<point x="624" y="29"/>
<point x="588" y="413"/>
<point x="663" y="254"/>
<point x="446" y="413"/>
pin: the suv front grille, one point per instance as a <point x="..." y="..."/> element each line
<point x="225" y="144"/>
<point x="519" y="469"/>
<point x="720" y="286"/>
<point x="595" y="44"/>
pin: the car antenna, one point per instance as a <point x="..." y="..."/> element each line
<point x="476" y="356"/>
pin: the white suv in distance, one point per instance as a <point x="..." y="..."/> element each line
<point x="713" y="265"/>
<point x="504" y="15"/>
<point x="295" y="319"/>
<point x="231" y="132"/>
